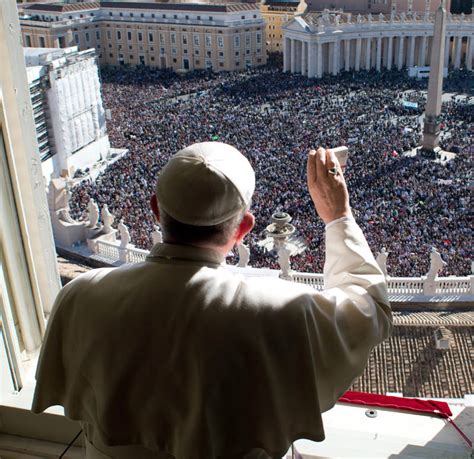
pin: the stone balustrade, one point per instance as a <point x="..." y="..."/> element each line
<point x="404" y="289"/>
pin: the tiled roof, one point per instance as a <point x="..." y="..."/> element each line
<point x="438" y="318"/>
<point x="230" y="7"/>
<point x="62" y="7"/>
<point x="408" y="362"/>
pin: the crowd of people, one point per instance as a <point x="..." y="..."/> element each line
<point x="405" y="204"/>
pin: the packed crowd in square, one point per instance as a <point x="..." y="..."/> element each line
<point x="405" y="204"/>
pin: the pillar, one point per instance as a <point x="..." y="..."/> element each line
<point x="347" y="55"/>
<point x="304" y="58"/>
<point x="286" y="55"/>
<point x="469" y="52"/>
<point x="390" y="53"/>
<point x="357" y="56"/>
<point x="311" y="60"/>
<point x="292" y="55"/>
<point x="319" y="67"/>
<point x="401" y="43"/>
<point x="378" y="60"/>
<point x="368" y="44"/>
<point x="422" y="54"/>
<point x="457" y="51"/>
<point x="411" y="51"/>
<point x="447" y="51"/>
<point x="335" y="58"/>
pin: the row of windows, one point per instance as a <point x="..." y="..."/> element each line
<point x="185" y="61"/>
<point x="173" y="38"/>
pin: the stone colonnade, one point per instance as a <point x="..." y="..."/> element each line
<point x="316" y="54"/>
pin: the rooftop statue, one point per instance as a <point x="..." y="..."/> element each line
<point x="436" y="265"/>
<point x="107" y="219"/>
<point x="93" y="210"/>
<point x="244" y="255"/>
<point x="382" y="260"/>
<point x="124" y="234"/>
<point x="157" y="235"/>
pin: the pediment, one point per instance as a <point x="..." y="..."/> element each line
<point x="297" y="24"/>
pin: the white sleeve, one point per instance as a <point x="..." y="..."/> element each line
<point x="352" y="315"/>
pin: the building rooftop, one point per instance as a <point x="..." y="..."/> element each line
<point x="66" y="8"/>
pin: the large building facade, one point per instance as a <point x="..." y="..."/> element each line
<point x="67" y="108"/>
<point x="277" y="13"/>
<point x="330" y="42"/>
<point x="178" y="36"/>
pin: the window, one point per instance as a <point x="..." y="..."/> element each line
<point x="237" y="63"/>
<point x="237" y="53"/>
<point x="162" y="38"/>
<point x="142" y="15"/>
<point x="174" y="60"/>
<point x="152" y="58"/>
<point x="109" y="35"/>
<point x="173" y="38"/>
<point x="196" y="40"/>
<point x="153" y="15"/>
<point x="88" y="38"/>
<point x="42" y="42"/>
<point x="247" y="51"/>
<point x="185" y="51"/>
<point x="97" y="34"/>
<point x="208" y="41"/>
<point x="209" y="53"/>
<point x="221" y="64"/>
<point x="175" y="16"/>
<point x="184" y="39"/>
<point x="76" y="38"/>
<point x="130" y="47"/>
<point x="247" y="40"/>
<point x="140" y="36"/>
<point x="150" y="37"/>
<point x="220" y="42"/>
<point x="110" y="13"/>
<point x="162" y="50"/>
<point x="259" y="38"/>
<point x="237" y="41"/>
<point x="119" y="35"/>
<point x="242" y="17"/>
<point x="174" y="51"/>
<point x="28" y="41"/>
<point x="211" y="18"/>
<point x="198" y="63"/>
<point x="186" y="17"/>
<point x="131" y="15"/>
<point x="259" y="51"/>
<point x="164" y="16"/>
<point x="129" y="36"/>
<point x="199" y="18"/>
<point x="131" y="57"/>
<point x="121" y="15"/>
<point x="196" y="52"/>
<point x="221" y="54"/>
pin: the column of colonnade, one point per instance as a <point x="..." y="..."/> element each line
<point x="314" y="58"/>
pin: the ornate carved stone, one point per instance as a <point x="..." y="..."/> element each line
<point x="107" y="219"/>
<point x="93" y="210"/>
<point x="157" y="235"/>
<point x="124" y="235"/>
<point x="382" y="260"/>
<point x="436" y="265"/>
<point x="244" y="255"/>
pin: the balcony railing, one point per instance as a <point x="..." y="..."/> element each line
<point x="409" y="289"/>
